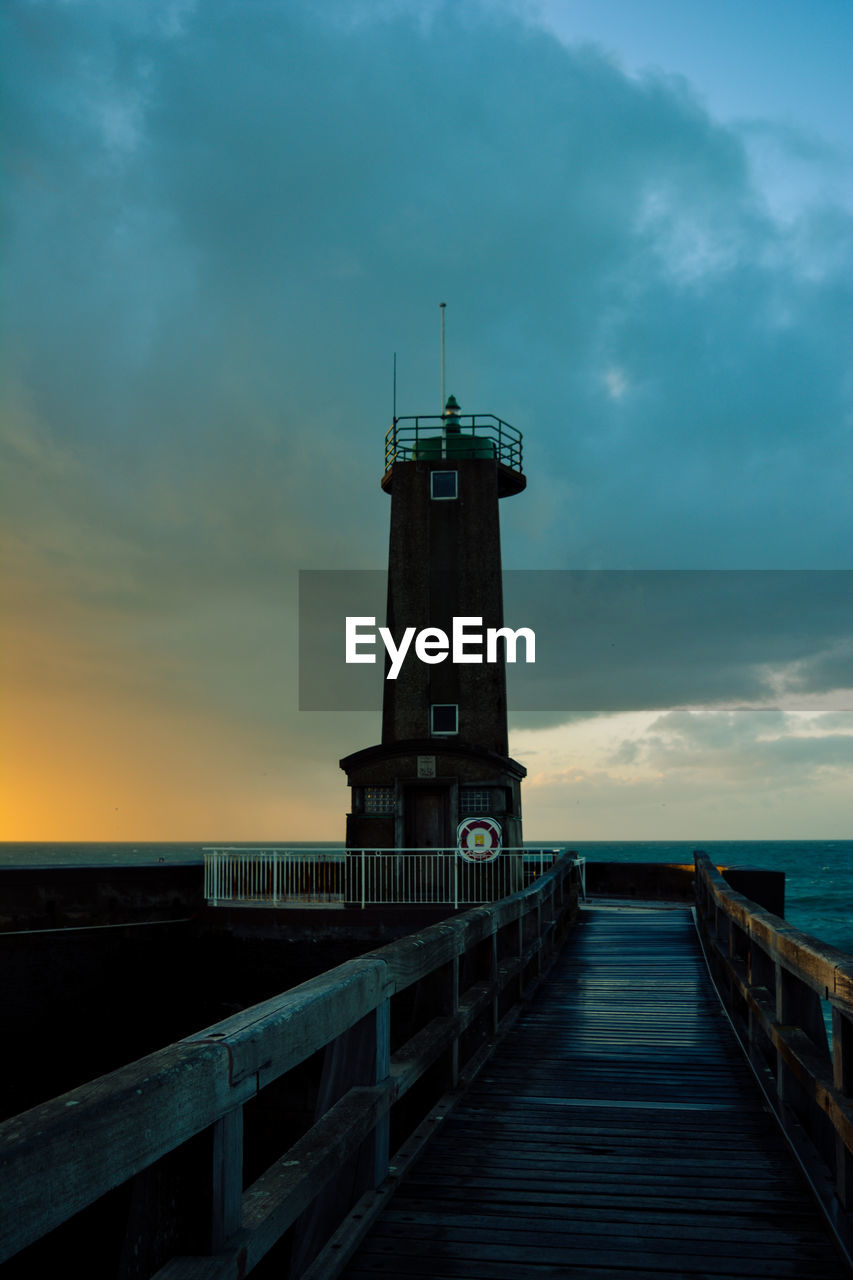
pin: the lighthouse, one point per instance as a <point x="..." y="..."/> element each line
<point x="443" y="757"/>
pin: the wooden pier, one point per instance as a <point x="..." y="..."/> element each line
<point x="522" y="1090"/>
<point x="617" y="1131"/>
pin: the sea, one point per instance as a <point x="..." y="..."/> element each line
<point x="818" y="873"/>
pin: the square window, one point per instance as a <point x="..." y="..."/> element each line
<point x="443" y="484"/>
<point x="444" y="718"/>
<point x="474" y="800"/>
<point x="379" y="800"/>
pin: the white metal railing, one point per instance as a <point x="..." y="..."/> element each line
<point x="269" y="876"/>
<point x="261" y="876"/>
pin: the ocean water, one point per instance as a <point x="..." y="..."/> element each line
<point x="818" y="873"/>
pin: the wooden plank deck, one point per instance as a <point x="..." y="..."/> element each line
<point x="616" y="1132"/>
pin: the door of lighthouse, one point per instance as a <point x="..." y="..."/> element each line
<point x="427" y="817"/>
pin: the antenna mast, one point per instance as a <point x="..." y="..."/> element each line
<point x="443" y="305"/>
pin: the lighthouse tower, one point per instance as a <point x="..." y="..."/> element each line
<point x="443" y="756"/>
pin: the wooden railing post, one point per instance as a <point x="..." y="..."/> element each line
<point x="783" y="1084"/>
<point x="842" y="1052"/>
<point x="361" y="1056"/>
<point x="761" y="974"/>
<point x="382" y="1070"/>
<point x="450" y="1008"/>
<point x="842" y="1077"/>
<point x="227" y="1197"/>
<point x="798" y="1006"/>
<point x="549" y="923"/>
<point x="520" y="954"/>
<point x="494" y="966"/>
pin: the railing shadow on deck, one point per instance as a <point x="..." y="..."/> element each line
<point x="775" y="981"/>
<point x="398" y="1027"/>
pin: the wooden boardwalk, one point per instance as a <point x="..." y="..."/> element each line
<point x="616" y="1132"/>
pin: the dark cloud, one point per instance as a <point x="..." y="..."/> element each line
<point x="610" y="641"/>
<point x="224" y="228"/>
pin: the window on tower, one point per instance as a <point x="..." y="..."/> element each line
<point x="443" y="718"/>
<point x="444" y="484"/>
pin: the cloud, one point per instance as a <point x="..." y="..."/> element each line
<point x="223" y="305"/>
<point x="221" y="221"/>
<point x="741" y="747"/>
<point x="736" y="773"/>
<point x="612" y="641"/>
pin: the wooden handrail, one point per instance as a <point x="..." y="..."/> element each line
<point x="102" y="1134"/>
<point x="773" y="979"/>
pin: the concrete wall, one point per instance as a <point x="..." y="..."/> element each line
<point x="672" y="882"/>
<point x="59" y="897"/>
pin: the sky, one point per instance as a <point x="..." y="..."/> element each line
<point x="223" y="220"/>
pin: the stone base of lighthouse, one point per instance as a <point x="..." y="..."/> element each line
<point x="413" y="794"/>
